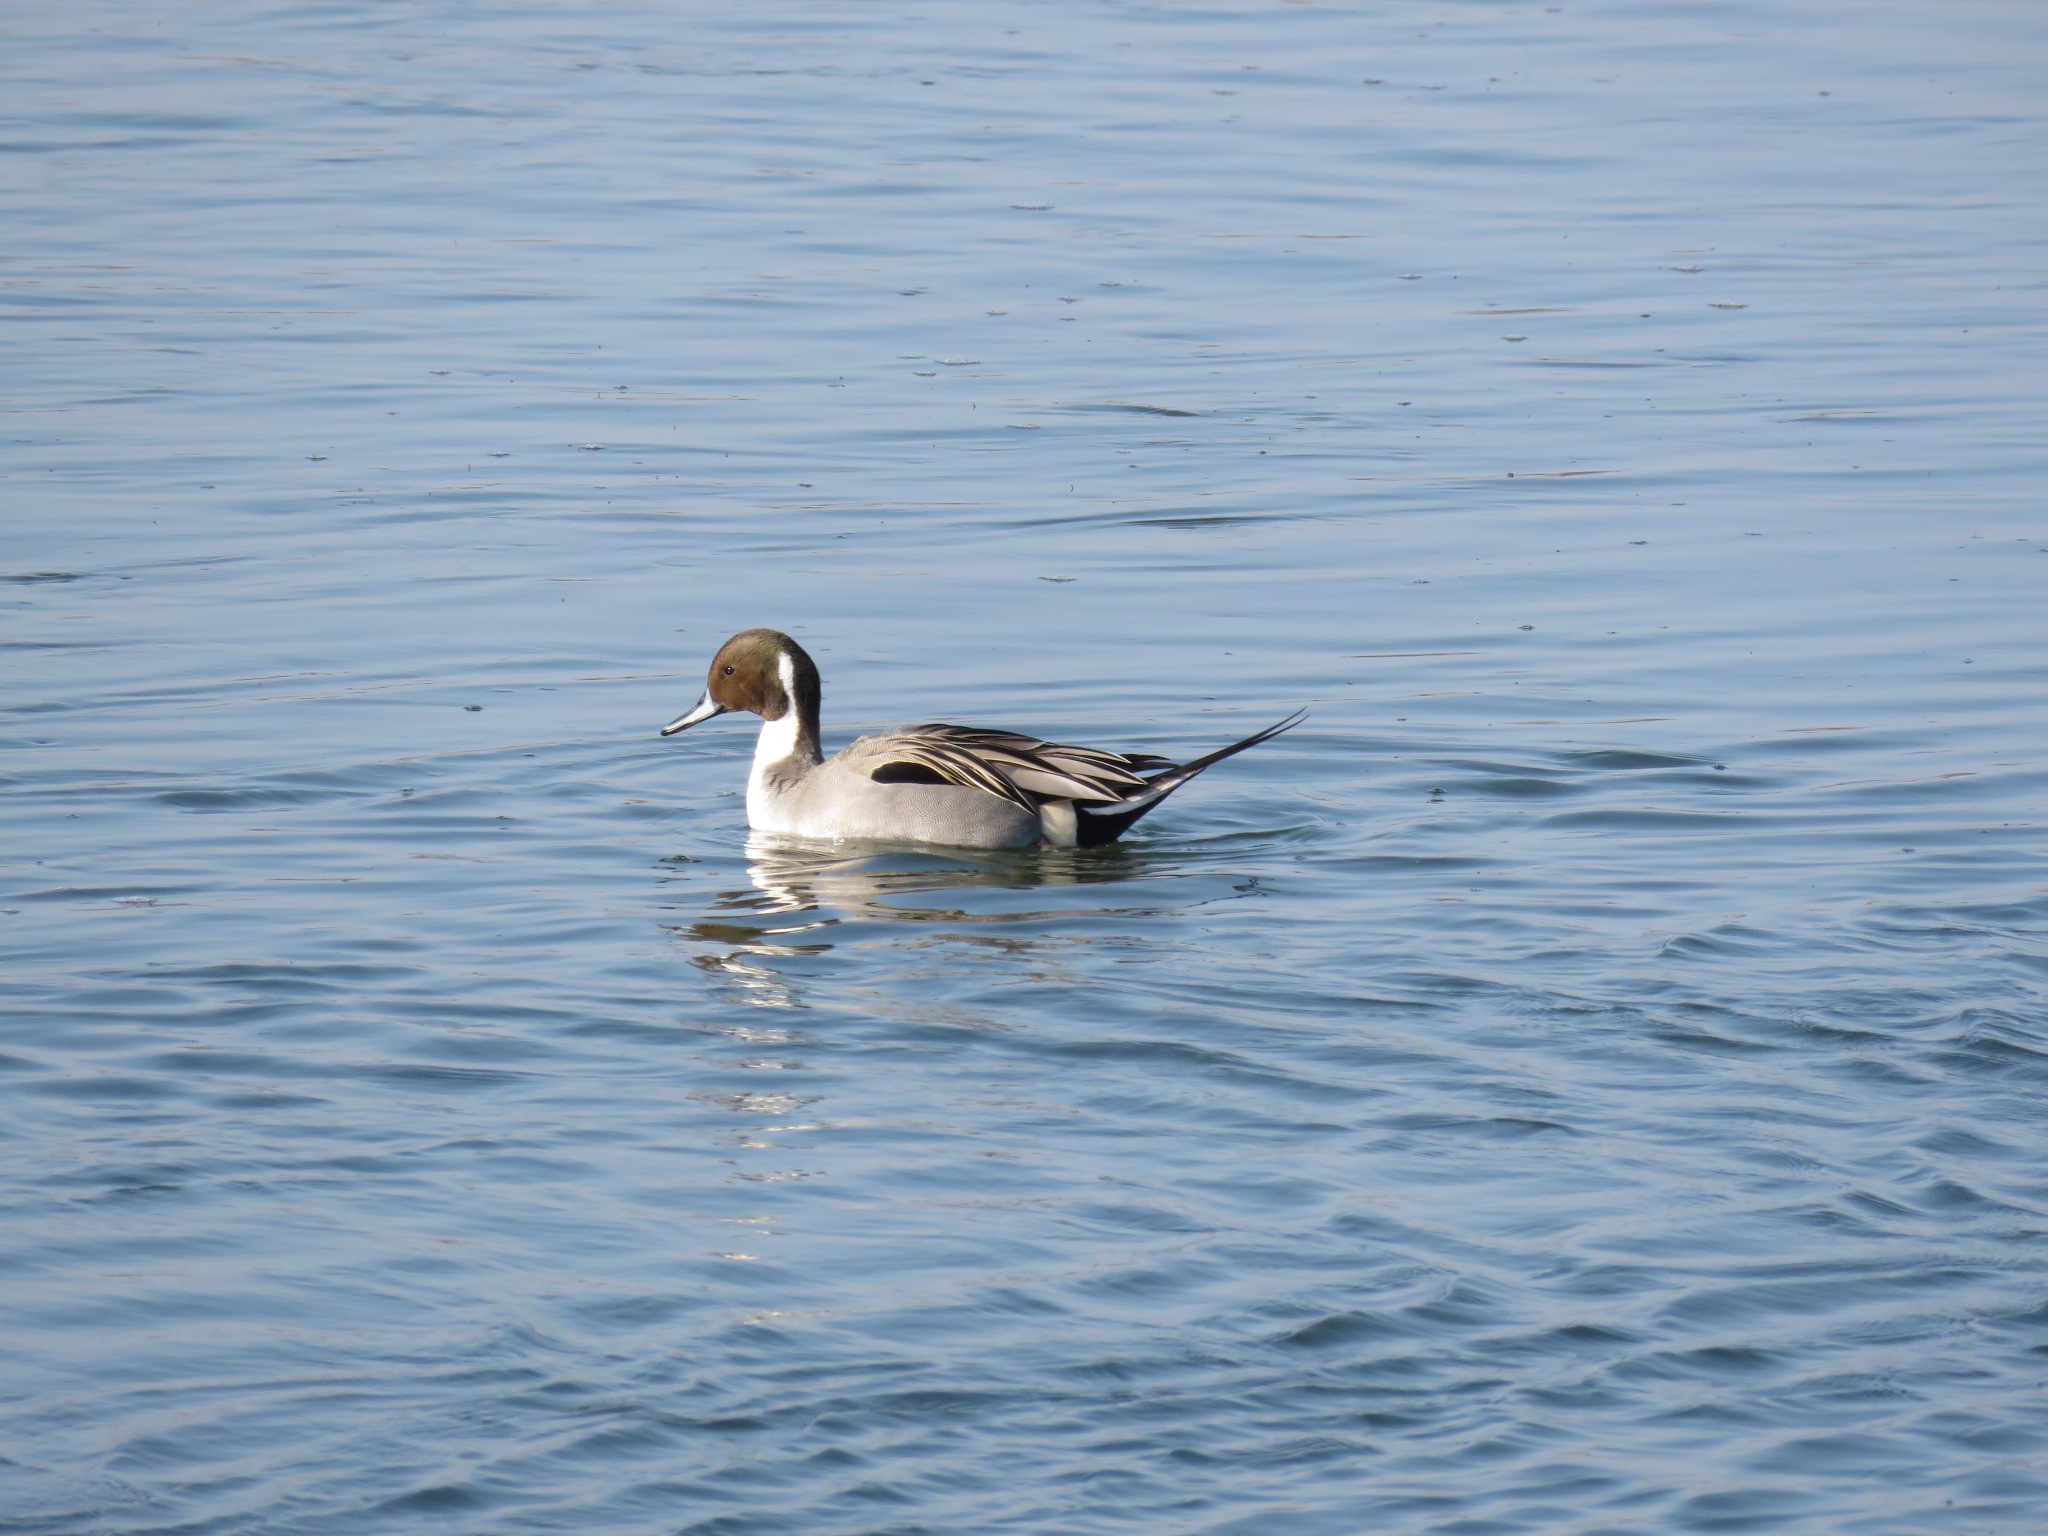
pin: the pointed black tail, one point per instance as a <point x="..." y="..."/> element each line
<point x="1096" y="826"/>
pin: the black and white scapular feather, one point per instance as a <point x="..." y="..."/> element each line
<point x="1109" y="791"/>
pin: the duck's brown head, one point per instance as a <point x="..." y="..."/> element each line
<point x="761" y="671"/>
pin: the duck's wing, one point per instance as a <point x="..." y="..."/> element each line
<point x="1020" y="769"/>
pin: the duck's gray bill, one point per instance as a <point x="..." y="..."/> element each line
<point x="706" y="708"/>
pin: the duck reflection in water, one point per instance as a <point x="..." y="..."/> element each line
<point x="793" y="875"/>
<point x="803" y="887"/>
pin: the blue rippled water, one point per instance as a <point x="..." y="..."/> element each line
<point x="1591" y="1079"/>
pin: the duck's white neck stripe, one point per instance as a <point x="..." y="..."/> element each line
<point x="776" y="741"/>
<point x="776" y="744"/>
<point x="778" y="737"/>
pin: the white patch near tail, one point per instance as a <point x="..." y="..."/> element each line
<point x="1058" y="824"/>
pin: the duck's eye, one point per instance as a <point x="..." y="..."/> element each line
<point x="730" y="670"/>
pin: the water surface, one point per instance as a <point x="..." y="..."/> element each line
<point x="1589" y="1079"/>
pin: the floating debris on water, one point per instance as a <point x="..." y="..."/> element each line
<point x="1124" y="405"/>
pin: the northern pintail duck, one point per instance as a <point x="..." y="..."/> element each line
<point x="956" y="784"/>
